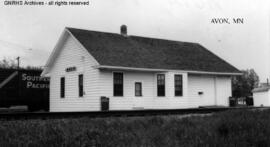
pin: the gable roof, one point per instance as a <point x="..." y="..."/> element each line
<point x="140" y="52"/>
<point x="116" y="51"/>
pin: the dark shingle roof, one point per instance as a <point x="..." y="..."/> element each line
<point x="116" y="50"/>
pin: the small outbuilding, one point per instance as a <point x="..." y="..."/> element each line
<point x="134" y="73"/>
<point x="261" y="96"/>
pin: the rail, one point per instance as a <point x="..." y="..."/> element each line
<point x="116" y="113"/>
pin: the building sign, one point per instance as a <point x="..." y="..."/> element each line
<point x="70" y="69"/>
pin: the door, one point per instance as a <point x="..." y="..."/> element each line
<point x="209" y="96"/>
<point x="138" y="101"/>
<point x="201" y="90"/>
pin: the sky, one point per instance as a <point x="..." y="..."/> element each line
<point x="31" y="32"/>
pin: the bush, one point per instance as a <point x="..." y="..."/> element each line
<point x="231" y="128"/>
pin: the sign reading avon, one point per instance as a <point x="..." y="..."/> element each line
<point x="70" y="69"/>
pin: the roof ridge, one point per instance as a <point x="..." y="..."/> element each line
<point x="136" y="36"/>
<point x="95" y="31"/>
<point x="145" y="52"/>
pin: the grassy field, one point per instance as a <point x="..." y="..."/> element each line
<point x="230" y="128"/>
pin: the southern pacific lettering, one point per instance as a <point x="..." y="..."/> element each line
<point x="34" y="81"/>
<point x="24" y="87"/>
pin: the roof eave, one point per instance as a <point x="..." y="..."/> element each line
<point x="54" y="53"/>
<point x="164" y="70"/>
<point x="56" y="50"/>
<point x="261" y="89"/>
<point x="257" y="91"/>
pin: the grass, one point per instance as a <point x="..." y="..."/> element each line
<point x="230" y="128"/>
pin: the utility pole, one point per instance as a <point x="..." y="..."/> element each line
<point x="18" y="78"/>
<point x="18" y="61"/>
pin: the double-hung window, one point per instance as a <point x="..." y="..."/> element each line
<point x="138" y="89"/>
<point x="160" y="84"/>
<point x="178" y="85"/>
<point x="118" y="84"/>
<point x="80" y="84"/>
<point x="62" y="87"/>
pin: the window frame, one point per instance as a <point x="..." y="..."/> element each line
<point x="81" y="85"/>
<point x="62" y="87"/>
<point x="158" y="88"/>
<point x="113" y="81"/>
<point x="179" y="85"/>
<point x="140" y="89"/>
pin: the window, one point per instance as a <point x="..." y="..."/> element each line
<point x="138" y="89"/>
<point x="80" y="85"/>
<point x="178" y="85"/>
<point x="117" y="84"/>
<point x="161" y="84"/>
<point x="62" y="87"/>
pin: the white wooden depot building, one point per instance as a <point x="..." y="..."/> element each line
<point x="134" y="73"/>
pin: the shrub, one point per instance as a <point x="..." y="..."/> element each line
<point x="231" y="128"/>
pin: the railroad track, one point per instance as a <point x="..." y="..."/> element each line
<point x="115" y="113"/>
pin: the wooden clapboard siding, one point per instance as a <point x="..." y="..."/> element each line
<point x="171" y="101"/>
<point x="216" y="90"/>
<point x="72" y="54"/>
<point x="224" y="90"/>
<point x="97" y="83"/>
<point x="128" y="100"/>
<point x="203" y="84"/>
<point x="192" y="84"/>
<point x="149" y="98"/>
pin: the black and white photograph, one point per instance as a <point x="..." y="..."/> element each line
<point x="84" y="73"/>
